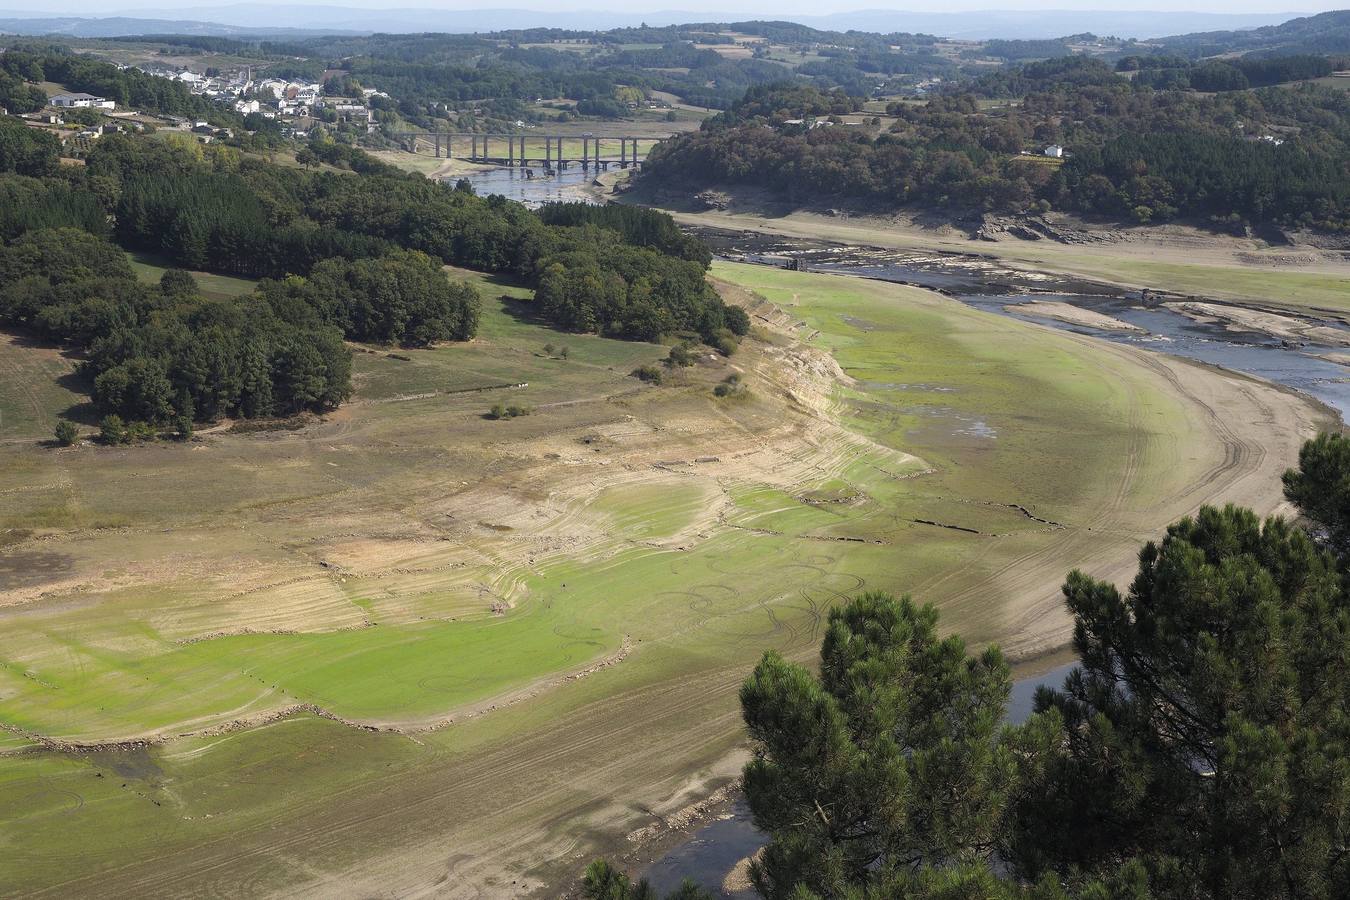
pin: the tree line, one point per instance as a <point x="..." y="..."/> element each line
<point x="1199" y="749"/>
<point x="1173" y="72"/>
<point x="244" y="216"/>
<point x="159" y="353"/>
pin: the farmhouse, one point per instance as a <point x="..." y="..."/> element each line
<point x="1055" y="151"/>
<point x="80" y="101"/>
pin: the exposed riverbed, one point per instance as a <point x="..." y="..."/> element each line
<point x="1157" y="322"/>
<point x="1316" y="367"/>
<point x="713" y="853"/>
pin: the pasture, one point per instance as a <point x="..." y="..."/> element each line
<point x="149" y="268"/>
<point x="406" y="645"/>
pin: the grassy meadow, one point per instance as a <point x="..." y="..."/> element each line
<point x="538" y="624"/>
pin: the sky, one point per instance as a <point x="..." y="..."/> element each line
<point x="1292" y="7"/>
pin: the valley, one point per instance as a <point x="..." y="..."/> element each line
<point x="403" y="594"/>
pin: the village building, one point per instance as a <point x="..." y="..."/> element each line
<point x="81" y="101"/>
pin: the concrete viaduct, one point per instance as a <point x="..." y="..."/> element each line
<point x="509" y="150"/>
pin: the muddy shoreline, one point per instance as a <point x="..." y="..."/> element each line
<point x="1295" y="351"/>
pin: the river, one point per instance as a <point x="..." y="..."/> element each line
<point x="514" y="185"/>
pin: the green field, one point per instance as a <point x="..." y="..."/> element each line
<point x="149" y="268"/>
<point x="551" y="613"/>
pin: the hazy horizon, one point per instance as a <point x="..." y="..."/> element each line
<point x="756" y="8"/>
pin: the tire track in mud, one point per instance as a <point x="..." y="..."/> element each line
<point x="1245" y="472"/>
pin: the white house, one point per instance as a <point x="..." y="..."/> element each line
<point x="244" y="107"/>
<point x="81" y="101"/>
<point x="1054" y="151"/>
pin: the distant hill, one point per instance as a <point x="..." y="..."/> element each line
<point x="1327" y="32"/>
<point x="1026" y="24"/>
<point x="122" y="26"/>
<point x="241" y="19"/>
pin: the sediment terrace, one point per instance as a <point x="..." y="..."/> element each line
<point x="439" y="580"/>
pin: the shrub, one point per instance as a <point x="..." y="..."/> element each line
<point x="140" y="431"/>
<point x="177" y="283"/>
<point x="66" y="433"/>
<point x="112" y="430"/>
<point x="730" y="386"/>
<point x="724" y="342"/>
<point x="680" y="355"/>
<point x="649" y="374"/>
<point x="501" y="411"/>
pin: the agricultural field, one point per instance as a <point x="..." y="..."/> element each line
<point x="406" y="646"/>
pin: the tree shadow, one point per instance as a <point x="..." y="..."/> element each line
<point x="526" y="312"/>
<point x="83" y="412"/>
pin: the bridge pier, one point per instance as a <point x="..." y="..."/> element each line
<point x="554" y="158"/>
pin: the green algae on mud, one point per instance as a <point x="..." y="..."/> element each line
<point x="576" y="589"/>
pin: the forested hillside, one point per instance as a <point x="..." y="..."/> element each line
<point x="433" y="78"/>
<point x="352" y="254"/>
<point x="1276" y="154"/>
<point x="1328" y="32"/>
